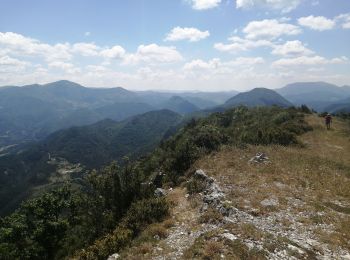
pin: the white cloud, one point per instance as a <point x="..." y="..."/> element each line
<point x="239" y="44"/>
<point x="291" y="48"/>
<point x="283" y="5"/>
<point x="86" y="49"/>
<point x="154" y="54"/>
<point x="199" y="64"/>
<point x="204" y="4"/>
<point x="269" y="29"/>
<point x="8" y="64"/>
<point x="308" y="61"/>
<point x="319" y="23"/>
<point x="217" y="66"/>
<point x="186" y="33"/>
<point x="87" y="34"/>
<point x="344" y="19"/>
<point x="116" y="52"/>
<point x="246" y="61"/>
<point x="8" y="61"/>
<point x="21" y="45"/>
<point x="65" y="66"/>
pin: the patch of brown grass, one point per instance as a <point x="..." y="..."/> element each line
<point x="211" y="216"/>
<point x="212" y="250"/>
<point x="311" y="176"/>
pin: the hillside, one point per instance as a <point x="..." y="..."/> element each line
<point x="33" y="112"/>
<point x="121" y="200"/>
<point x="341" y="106"/>
<point x="317" y="95"/>
<point x="84" y="147"/>
<point x="179" y="105"/>
<point x="258" y="97"/>
<point x="291" y="203"/>
<point x="98" y="144"/>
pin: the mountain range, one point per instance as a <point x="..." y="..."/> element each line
<point x="32" y="112"/>
<point x="317" y="95"/>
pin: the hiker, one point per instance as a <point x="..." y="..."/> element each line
<point x="328" y="121"/>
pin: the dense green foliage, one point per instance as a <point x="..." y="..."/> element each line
<point x="116" y="203"/>
<point x="59" y="222"/>
<point x="239" y="126"/>
<point x="92" y="146"/>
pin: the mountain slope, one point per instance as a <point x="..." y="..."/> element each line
<point x="317" y="95"/>
<point x="258" y="97"/>
<point x="179" y="105"/>
<point x="89" y="146"/>
<point x="98" y="144"/>
<point x="268" y="209"/>
<point x="38" y="110"/>
<point x="340" y="106"/>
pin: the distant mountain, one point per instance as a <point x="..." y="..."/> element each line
<point x="179" y="105"/>
<point x="258" y="97"/>
<point x="202" y="100"/>
<point x="340" y="106"/>
<point x="91" y="146"/>
<point x="317" y="95"/>
<point x="34" y="111"/>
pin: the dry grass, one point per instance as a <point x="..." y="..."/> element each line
<point x="211" y="216"/>
<point x="314" y="178"/>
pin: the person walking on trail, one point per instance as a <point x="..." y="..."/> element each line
<point x="328" y="121"/>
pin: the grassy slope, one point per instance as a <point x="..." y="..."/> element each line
<point x="311" y="185"/>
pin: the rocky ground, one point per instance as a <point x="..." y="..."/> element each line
<point x="261" y="203"/>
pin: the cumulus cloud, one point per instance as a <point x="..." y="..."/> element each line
<point x="116" y="52"/>
<point x="283" y="5"/>
<point x="204" y="4"/>
<point x="199" y="64"/>
<point x="344" y="19"/>
<point x="86" y="49"/>
<point x="154" y="54"/>
<point x="292" y="48"/>
<point x="238" y="44"/>
<point x="187" y="33"/>
<point x="269" y="29"/>
<point x="217" y="66"/>
<point x="308" y="61"/>
<point x="8" y="64"/>
<point x="21" y="45"/>
<point x="319" y="23"/>
<point x="65" y="66"/>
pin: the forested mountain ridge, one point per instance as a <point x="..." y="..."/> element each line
<point x="91" y="146"/>
<point x="258" y="97"/>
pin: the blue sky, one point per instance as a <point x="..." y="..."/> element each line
<point x="175" y="44"/>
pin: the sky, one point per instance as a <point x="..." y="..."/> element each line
<point x="205" y="45"/>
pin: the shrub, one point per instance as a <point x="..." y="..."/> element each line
<point x="195" y="186"/>
<point x="211" y="216"/>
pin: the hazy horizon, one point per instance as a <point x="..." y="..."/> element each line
<point x="182" y="45"/>
<point x="174" y="91"/>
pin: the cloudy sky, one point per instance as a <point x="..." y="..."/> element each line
<point x="175" y="44"/>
